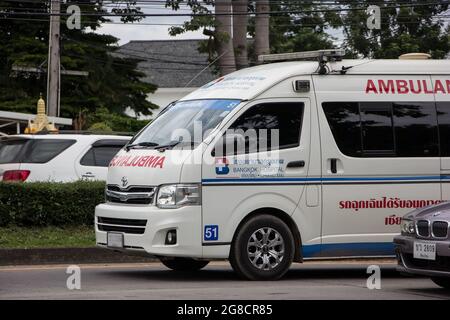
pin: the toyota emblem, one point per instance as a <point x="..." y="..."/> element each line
<point x="124" y="181"/>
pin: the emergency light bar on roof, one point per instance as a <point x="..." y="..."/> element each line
<point x="335" y="54"/>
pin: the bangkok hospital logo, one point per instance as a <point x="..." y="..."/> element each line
<point x="222" y="166"/>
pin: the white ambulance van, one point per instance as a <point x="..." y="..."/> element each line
<point x="359" y="143"/>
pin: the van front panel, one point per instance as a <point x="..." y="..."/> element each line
<point x="237" y="185"/>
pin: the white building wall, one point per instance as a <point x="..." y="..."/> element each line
<point x="162" y="97"/>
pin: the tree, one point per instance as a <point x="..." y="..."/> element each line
<point x="280" y="32"/>
<point x="113" y="82"/>
<point x="406" y="27"/>
<point x="226" y="45"/>
<point x="299" y="26"/>
<point x="240" y="22"/>
<point x="104" y="118"/>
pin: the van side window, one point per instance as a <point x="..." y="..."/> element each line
<point x="443" y="113"/>
<point x="286" y="117"/>
<point x="377" y="128"/>
<point x="345" y="123"/>
<point x="416" y="129"/>
<point x="384" y="129"/>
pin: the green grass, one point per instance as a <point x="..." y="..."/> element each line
<point x="47" y="237"/>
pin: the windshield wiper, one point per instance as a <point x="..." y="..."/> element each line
<point x="141" y="144"/>
<point x="167" y="146"/>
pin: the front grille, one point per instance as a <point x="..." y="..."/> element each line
<point x="129" y="201"/>
<point x="441" y="263"/>
<point x="134" y="226"/>
<point x="130" y="189"/>
<point x="422" y="228"/>
<point x="440" y="229"/>
<point x="123" y="222"/>
<point x="130" y="195"/>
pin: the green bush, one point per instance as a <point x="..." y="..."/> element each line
<point x="49" y="203"/>
<point x="100" y="127"/>
<point x="117" y="122"/>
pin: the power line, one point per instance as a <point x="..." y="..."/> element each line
<point x="117" y="4"/>
<point x="186" y="6"/>
<point x="438" y="18"/>
<point x="294" y="24"/>
<point x="107" y="14"/>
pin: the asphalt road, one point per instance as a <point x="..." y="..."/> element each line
<point x="324" y="280"/>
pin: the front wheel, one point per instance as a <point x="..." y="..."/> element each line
<point x="263" y="248"/>
<point x="183" y="264"/>
<point x="442" y="282"/>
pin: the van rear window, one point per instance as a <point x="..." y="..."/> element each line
<point x="443" y="111"/>
<point x="32" y="150"/>
<point x="384" y="129"/>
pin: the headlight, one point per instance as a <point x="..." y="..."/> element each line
<point x="178" y="195"/>
<point x="408" y="227"/>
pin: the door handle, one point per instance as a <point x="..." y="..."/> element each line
<point x="296" y="164"/>
<point x="88" y="175"/>
<point x="333" y="165"/>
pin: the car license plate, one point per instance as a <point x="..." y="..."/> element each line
<point x="424" y="250"/>
<point x="115" y="240"/>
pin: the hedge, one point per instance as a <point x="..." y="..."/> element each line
<point x="49" y="203"/>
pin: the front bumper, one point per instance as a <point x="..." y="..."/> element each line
<point x="185" y="220"/>
<point x="404" y="249"/>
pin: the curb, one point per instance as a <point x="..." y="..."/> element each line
<point x="92" y="255"/>
<point x="66" y="256"/>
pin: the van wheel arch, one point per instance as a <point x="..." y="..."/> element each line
<point x="287" y="219"/>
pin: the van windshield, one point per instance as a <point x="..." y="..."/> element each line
<point x="185" y="121"/>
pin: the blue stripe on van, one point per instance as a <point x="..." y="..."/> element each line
<point x="349" y="249"/>
<point x="406" y="178"/>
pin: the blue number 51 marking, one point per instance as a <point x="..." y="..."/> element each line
<point x="211" y="233"/>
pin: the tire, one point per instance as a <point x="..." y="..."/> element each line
<point x="442" y="282"/>
<point x="183" y="264"/>
<point x="254" y="258"/>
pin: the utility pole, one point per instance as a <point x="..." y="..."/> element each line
<point x="54" y="65"/>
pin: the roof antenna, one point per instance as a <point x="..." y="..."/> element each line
<point x="198" y="74"/>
